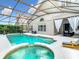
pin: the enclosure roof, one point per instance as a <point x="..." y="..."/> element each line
<point x="57" y="8"/>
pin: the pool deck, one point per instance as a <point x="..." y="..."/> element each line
<point x="67" y="52"/>
<point x="4" y="44"/>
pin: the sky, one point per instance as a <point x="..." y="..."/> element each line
<point x="12" y="3"/>
<point x="20" y="6"/>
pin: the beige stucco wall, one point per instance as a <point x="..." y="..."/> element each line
<point x="48" y="21"/>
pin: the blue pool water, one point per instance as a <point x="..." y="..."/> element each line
<point x="31" y="52"/>
<point x="18" y="39"/>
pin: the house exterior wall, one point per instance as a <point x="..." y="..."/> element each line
<point x="48" y="21"/>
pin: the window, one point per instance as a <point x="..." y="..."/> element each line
<point x="31" y="28"/>
<point x="42" y="28"/>
<point x="42" y="19"/>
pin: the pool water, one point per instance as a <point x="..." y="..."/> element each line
<point x="32" y="52"/>
<point x="18" y="39"/>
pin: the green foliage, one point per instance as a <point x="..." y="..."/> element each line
<point x="10" y="29"/>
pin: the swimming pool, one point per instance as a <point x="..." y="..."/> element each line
<point x="30" y="52"/>
<point x="18" y="39"/>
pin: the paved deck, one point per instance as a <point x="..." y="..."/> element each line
<point x="4" y="45"/>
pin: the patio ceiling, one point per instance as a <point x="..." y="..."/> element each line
<point x="56" y="8"/>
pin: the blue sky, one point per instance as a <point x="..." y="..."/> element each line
<point x="20" y="6"/>
<point x="13" y="2"/>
